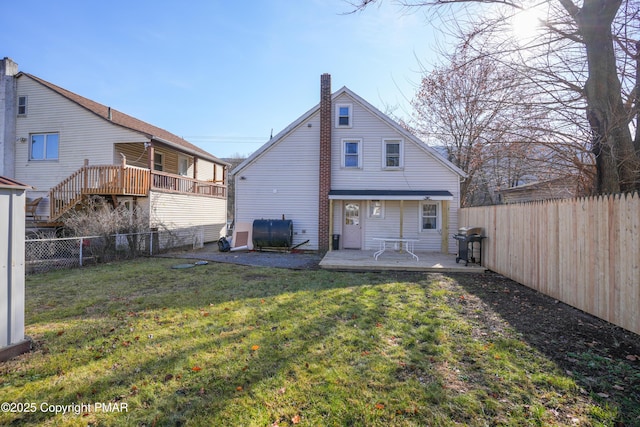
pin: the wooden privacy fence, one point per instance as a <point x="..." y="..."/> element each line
<point x="584" y="252"/>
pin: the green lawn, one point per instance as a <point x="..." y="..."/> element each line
<point x="227" y="345"/>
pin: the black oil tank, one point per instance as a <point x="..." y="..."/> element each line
<point x="272" y="233"/>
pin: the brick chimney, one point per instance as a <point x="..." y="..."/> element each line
<point x="325" y="162"/>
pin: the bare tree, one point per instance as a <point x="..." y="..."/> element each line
<point x="586" y="60"/>
<point x="98" y="218"/>
<point x="484" y="118"/>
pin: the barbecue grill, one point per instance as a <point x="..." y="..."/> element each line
<point x="467" y="237"/>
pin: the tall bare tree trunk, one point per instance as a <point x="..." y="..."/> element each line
<point x="617" y="161"/>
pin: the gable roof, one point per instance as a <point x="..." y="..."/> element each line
<point x="120" y="119"/>
<point x="344" y="90"/>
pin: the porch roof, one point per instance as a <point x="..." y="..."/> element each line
<point x="390" y="195"/>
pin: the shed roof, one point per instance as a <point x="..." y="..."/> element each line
<point x="6" y="182"/>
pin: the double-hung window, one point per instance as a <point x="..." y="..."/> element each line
<point x="183" y="166"/>
<point x="376" y="208"/>
<point x="393" y="154"/>
<point x="343" y="115"/>
<point x="22" y="106"/>
<point x="429" y="216"/>
<point x="44" y="146"/>
<point x="158" y="161"/>
<point x="351" y="153"/>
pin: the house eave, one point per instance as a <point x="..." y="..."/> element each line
<point x="435" y="195"/>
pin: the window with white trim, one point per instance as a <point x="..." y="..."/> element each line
<point x="376" y="209"/>
<point x="44" y="146"/>
<point x="351" y="155"/>
<point x="429" y="216"/>
<point x="22" y="105"/>
<point x="393" y="153"/>
<point x="343" y="115"/>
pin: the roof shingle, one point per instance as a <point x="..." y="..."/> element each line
<point x="127" y="121"/>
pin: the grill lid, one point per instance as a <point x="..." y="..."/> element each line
<point x="468" y="231"/>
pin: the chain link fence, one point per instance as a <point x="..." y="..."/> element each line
<point x="48" y="253"/>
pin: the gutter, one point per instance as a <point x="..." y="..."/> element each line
<point x="186" y="150"/>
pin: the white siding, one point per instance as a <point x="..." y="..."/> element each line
<point x="283" y="181"/>
<point x="421" y="171"/>
<point x="175" y="211"/>
<point x="83" y="135"/>
<point x="389" y="226"/>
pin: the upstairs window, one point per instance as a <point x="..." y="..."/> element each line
<point x="44" y="146"/>
<point x="343" y="115"/>
<point x="351" y="153"/>
<point x="22" y="105"/>
<point x="183" y="166"/>
<point x="393" y="154"/>
<point x="158" y="161"/>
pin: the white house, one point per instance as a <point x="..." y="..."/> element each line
<point x="345" y="169"/>
<point x="69" y="147"/>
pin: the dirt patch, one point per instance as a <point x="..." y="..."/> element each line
<point x="295" y="260"/>
<point x="545" y="321"/>
<point x="603" y="358"/>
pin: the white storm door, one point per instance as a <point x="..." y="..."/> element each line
<point x="352" y="226"/>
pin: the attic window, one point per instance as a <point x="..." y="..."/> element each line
<point x="22" y="105"/>
<point x="343" y="115"/>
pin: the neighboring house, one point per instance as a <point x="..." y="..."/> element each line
<point x="344" y="168"/>
<point x="69" y="148"/>
<point x="559" y="188"/>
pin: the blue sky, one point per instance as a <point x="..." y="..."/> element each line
<point x="221" y="74"/>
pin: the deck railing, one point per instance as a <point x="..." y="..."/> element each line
<point x="182" y="184"/>
<point x="122" y="180"/>
<point x="98" y="180"/>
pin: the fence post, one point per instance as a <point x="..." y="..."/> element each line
<point x="81" y="245"/>
<point x="152" y="236"/>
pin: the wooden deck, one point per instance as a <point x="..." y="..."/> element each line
<point x="392" y="260"/>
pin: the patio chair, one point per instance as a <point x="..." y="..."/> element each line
<point x="31" y="207"/>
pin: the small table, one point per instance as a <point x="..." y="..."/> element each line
<point x="404" y="244"/>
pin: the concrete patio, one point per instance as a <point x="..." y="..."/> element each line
<point x="393" y="260"/>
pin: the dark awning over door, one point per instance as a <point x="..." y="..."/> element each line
<point x="390" y="195"/>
